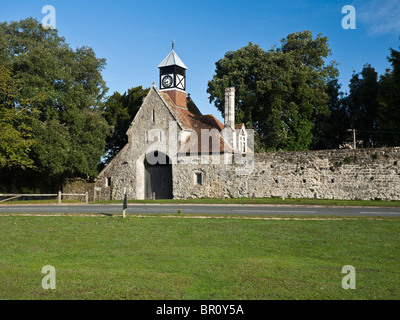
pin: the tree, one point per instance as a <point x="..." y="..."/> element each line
<point x="119" y="111"/>
<point x="279" y="93"/>
<point x="331" y="130"/>
<point x="362" y="106"/>
<point x="66" y="88"/>
<point x="389" y="102"/>
<point x="15" y="125"/>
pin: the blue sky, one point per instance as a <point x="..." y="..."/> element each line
<point x="135" y="36"/>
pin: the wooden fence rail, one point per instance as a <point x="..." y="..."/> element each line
<point x="59" y="196"/>
<point x="28" y="195"/>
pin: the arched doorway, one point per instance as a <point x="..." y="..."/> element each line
<point x="158" y="177"/>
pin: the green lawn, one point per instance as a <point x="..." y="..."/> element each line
<point x="181" y="258"/>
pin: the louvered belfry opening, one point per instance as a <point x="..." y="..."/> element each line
<point x="173" y="79"/>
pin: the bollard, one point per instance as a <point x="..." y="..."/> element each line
<point x="222" y="196"/>
<point x="154" y="196"/>
<point x="87" y="197"/>
<point x="125" y="205"/>
<point x="59" y="197"/>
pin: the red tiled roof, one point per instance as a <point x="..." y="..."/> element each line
<point x="193" y="120"/>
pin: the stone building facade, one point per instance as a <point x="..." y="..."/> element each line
<point x="174" y="151"/>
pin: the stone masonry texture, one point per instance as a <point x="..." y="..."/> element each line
<point x="365" y="174"/>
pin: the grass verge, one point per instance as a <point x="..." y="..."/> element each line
<point x="239" y="201"/>
<point x="175" y="258"/>
<point x="244" y="201"/>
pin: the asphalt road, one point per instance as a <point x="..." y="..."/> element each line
<point x="270" y="210"/>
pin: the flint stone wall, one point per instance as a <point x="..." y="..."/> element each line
<point x="78" y="186"/>
<point x="365" y="174"/>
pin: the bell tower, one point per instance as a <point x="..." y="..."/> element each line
<point x="173" y="78"/>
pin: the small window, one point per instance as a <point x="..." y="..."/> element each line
<point x="153" y="116"/>
<point x="198" y="179"/>
<point x="108" y="182"/>
<point x="242" y="143"/>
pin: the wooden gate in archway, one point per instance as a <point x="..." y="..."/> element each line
<point x="158" y="180"/>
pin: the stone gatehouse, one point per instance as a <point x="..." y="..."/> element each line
<point x="174" y="151"/>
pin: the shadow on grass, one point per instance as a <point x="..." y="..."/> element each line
<point x="106" y="214"/>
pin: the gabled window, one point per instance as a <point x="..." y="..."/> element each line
<point x="242" y="141"/>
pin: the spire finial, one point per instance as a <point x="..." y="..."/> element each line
<point x="173" y="44"/>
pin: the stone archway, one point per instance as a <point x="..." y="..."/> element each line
<point x="154" y="178"/>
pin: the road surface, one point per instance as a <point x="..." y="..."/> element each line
<point x="270" y="210"/>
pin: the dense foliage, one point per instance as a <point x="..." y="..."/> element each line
<point x="51" y="108"/>
<point x="291" y="96"/>
<point x="279" y="92"/>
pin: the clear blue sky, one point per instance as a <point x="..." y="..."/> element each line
<point x="135" y="36"/>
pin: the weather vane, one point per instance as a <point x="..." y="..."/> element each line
<point x="173" y="44"/>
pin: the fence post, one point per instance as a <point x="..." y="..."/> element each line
<point x="154" y="196"/>
<point x="87" y="197"/>
<point x="59" y="197"/>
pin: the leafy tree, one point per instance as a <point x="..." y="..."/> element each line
<point x="119" y="111"/>
<point x="362" y="105"/>
<point x="389" y="102"/>
<point x="330" y="130"/>
<point x="15" y="125"/>
<point x="279" y="93"/>
<point x="67" y="89"/>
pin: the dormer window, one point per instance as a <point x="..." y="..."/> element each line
<point x="242" y="141"/>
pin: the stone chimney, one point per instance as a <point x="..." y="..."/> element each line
<point x="230" y="108"/>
